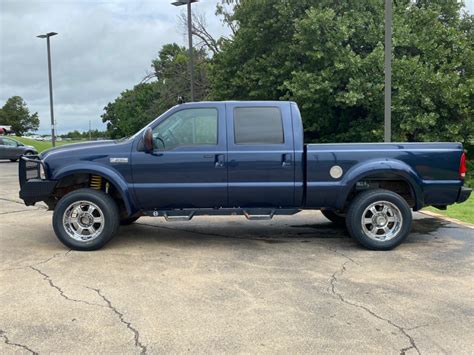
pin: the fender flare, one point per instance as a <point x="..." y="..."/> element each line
<point x="105" y="171"/>
<point x="372" y="167"/>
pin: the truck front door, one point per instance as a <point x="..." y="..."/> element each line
<point x="187" y="168"/>
<point x="261" y="155"/>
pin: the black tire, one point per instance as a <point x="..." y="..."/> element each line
<point x="358" y="230"/>
<point x="334" y="217"/>
<point x="109" y="212"/>
<point x="129" y="220"/>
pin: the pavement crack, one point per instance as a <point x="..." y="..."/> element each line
<point x="39" y="262"/>
<point x="136" y="334"/>
<point x="335" y="251"/>
<point x="335" y="277"/>
<point x="7" y="341"/>
<point x="47" y="278"/>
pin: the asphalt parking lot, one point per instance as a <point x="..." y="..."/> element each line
<point x="224" y="284"/>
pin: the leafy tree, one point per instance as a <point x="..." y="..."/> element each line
<point x="132" y="110"/>
<point x="328" y="56"/>
<point x="135" y="108"/>
<point x="172" y="72"/>
<point x="95" y="133"/>
<point x="16" y="114"/>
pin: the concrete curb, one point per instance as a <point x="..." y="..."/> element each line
<point x="449" y="219"/>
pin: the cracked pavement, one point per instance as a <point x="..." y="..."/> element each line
<point x="223" y="284"/>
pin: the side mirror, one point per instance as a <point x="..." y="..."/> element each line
<point x="148" y="140"/>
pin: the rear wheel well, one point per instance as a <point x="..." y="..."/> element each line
<point x="77" y="181"/>
<point x="391" y="182"/>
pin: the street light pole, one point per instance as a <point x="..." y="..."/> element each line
<point x="47" y="36"/>
<point x="388" y="72"/>
<point x="190" y="40"/>
<point x="190" y="43"/>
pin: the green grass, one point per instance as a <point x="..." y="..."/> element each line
<point x="40" y="146"/>
<point x="462" y="211"/>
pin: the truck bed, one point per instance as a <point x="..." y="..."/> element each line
<point x="430" y="168"/>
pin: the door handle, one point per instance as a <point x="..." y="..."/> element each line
<point x="286" y="160"/>
<point x="219" y="160"/>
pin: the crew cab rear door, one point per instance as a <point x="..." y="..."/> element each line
<point x="187" y="168"/>
<point x="261" y="170"/>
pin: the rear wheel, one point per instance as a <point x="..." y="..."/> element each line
<point x="337" y="218"/>
<point x="85" y="219"/>
<point x="379" y="219"/>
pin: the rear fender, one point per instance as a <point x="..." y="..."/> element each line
<point x="378" y="167"/>
<point x="105" y="171"/>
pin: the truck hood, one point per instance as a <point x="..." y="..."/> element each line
<point x="76" y="147"/>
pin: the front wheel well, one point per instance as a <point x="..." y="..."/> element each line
<point x="390" y="182"/>
<point x="77" y="181"/>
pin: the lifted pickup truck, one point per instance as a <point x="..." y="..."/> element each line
<point x="245" y="158"/>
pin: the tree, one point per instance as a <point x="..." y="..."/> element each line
<point x="328" y="56"/>
<point x="172" y="72"/>
<point x="132" y="110"/>
<point x="135" y="108"/>
<point x="16" y="114"/>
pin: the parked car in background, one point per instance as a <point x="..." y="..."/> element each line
<point x="13" y="150"/>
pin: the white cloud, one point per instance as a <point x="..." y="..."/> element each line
<point x="102" y="49"/>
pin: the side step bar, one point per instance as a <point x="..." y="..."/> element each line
<point x="253" y="214"/>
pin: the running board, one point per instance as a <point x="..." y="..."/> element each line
<point x="252" y="214"/>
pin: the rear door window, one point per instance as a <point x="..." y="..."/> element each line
<point x="258" y="125"/>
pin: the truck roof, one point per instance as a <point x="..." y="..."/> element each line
<point x="244" y="103"/>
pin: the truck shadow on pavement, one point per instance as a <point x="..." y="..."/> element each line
<point x="271" y="233"/>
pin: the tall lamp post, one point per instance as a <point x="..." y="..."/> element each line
<point x="47" y="35"/>
<point x="190" y="40"/>
<point x="388" y="72"/>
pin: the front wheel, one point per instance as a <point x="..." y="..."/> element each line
<point x="379" y="219"/>
<point x="85" y="219"/>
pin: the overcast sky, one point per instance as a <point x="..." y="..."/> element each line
<point x="103" y="48"/>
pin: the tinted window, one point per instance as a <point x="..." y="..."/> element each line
<point x="258" y="125"/>
<point x="187" y="127"/>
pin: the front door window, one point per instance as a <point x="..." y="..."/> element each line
<point x="187" y="128"/>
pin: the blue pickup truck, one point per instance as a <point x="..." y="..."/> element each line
<point x="239" y="158"/>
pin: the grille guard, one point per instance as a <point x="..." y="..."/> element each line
<point x="28" y="168"/>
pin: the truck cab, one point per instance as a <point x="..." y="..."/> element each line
<point x="218" y="155"/>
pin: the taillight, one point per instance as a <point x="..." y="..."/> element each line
<point x="462" y="166"/>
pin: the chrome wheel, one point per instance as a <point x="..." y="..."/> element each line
<point x="382" y="221"/>
<point x="83" y="221"/>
